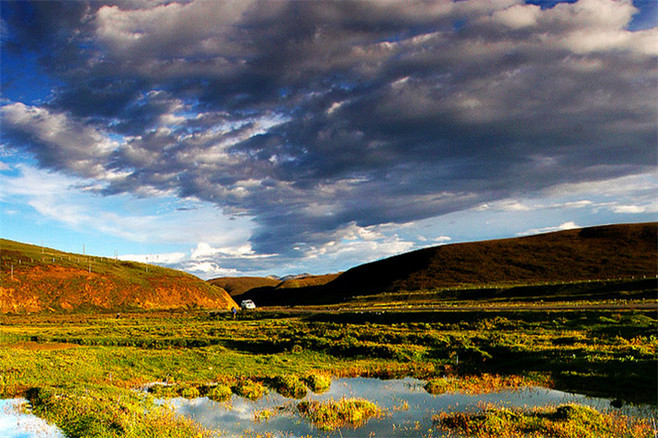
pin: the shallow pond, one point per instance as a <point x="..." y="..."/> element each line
<point x="409" y="409"/>
<point x="16" y="424"/>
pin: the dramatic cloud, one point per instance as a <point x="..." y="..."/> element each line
<point x="58" y="142"/>
<point x="323" y="120"/>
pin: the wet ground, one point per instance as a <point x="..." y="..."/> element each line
<point x="408" y="410"/>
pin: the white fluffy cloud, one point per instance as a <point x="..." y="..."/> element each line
<point x="562" y="227"/>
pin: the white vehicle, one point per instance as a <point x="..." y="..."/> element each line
<point x="247" y="304"/>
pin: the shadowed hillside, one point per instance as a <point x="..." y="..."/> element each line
<point x="44" y="279"/>
<point x="596" y="253"/>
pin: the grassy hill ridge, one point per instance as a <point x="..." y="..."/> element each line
<point x="604" y="252"/>
<point x="594" y="253"/>
<point x="238" y="285"/>
<point x="35" y="279"/>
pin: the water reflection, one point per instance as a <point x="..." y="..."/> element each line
<point x="409" y="408"/>
<point x="16" y="424"/>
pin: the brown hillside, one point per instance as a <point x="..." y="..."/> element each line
<point x="309" y="280"/>
<point x="238" y="285"/>
<point x="48" y="280"/>
<point x="597" y="253"/>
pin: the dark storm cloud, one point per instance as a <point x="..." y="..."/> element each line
<point x="42" y="26"/>
<point x="314" y="116"/>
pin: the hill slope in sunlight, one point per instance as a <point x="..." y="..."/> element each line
<point x="35" y="279"/>
<point x="595" y="253"/>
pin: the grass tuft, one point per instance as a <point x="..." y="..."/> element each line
<point x="289" y="386"/>
<point x="331" y="415"/>
<point x="482" y="384"/>
<point x="219" y="393"/>
<point x="189" y="392"/>
<point x="318" y="383"/>
<point x="249" y="389"/>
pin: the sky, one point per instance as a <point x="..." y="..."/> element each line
<point x="249" y="137"/>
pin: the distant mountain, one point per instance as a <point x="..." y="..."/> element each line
<point x="36" y="279"/>
<point x="295" y="276"/>
<point x="595" y="253"/>
<point x="238" y="285"/>
<point x="305" y="280"/>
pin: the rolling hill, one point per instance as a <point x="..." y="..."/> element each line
<point x="306" y="281"/>
<point x="237" y="286"/>
<point x="595" y="253"/>
<point x="36" y="279"/>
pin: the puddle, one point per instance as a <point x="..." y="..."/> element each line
<point x="409" y="409"/>
<point x="15" y="424"/>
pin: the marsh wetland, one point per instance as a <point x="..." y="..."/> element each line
<point x="87" y="374"/>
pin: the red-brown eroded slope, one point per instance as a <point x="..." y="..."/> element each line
<point x="61" y="283"/>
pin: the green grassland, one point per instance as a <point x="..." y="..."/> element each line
<point x="78" y="370"/>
